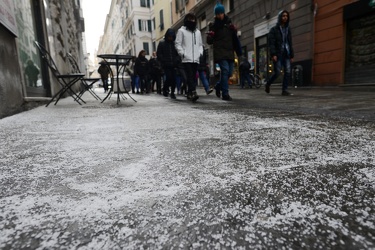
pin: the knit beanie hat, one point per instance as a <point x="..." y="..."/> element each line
<point x="219" y="8"/>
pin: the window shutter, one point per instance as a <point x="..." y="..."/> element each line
<point x="149" y="24"/>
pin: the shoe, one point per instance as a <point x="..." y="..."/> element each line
<point x="286" y="93"/>
<point x="189" y="96"/>
<point x="173" y="96"/>
<point x="165" y="93"/>
<point x="194" y="96"/>
<point x="209" y="91"/>
<point x="250" y="87"/>
<point x="227" y="98"/>
<point x="267" y="88"/>
<point x="217" y="88"/>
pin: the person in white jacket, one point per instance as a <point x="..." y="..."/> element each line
<point x="190" y="47"/>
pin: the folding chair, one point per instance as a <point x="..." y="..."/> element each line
<point x="65" y="80"/>
<point x="86" y="82"/>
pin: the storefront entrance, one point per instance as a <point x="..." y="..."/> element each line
<point x="262" y="57"/>
<point x="360" y="51"/>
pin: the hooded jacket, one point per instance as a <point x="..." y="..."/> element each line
<point x="275" y="38"/>
<point x="189" y="45"/>
<point x="141" y="66"/>
<point x="166" y="51"/>
<point x="222" y="39"/>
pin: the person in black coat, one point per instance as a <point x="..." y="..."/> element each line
<point x="156" y="73"/>
<point x="244" y="68"/>
<point x="281" y="51"/>
<point x="141" y="69"/>
<point x="169" y="58"/>
<point x="223" y="35"/>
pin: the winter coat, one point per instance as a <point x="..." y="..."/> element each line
<point x="166" y="51"/>
<point x="103" y="70"/>
<point x="189" y="45"/>
<point x="224" y="39"/>
<point x="141" y="67"/>
<point x="275" y="39"/>
<point x="203" y="62"/>
<point x="155" y="67"/>
<point x="245" y="67"/>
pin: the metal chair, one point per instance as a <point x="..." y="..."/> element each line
<point x="66" y="81"/>
<point x="86" y="82"/>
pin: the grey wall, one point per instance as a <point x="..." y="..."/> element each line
<point x="11" y="97"/>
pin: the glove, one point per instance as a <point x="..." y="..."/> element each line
<point x="210" y="33"/>
<point x="233" y="27"/>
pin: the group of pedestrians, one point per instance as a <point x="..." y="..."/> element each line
<point x="180" y="58"/>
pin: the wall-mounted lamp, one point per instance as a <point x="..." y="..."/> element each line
<point x="239" y="33"/>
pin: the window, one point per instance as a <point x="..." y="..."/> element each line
<point x="228" y="5"/>
<point x="149" y="26"/>
<point x="202" y="21"/>
<point x="180" y="5"/>
<point x="145" y="25"/>
<point x="145" y="3"/>
<point x="146" y="48"/>
<point x="161" y="13"/>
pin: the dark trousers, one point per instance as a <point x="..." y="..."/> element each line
<point x="190" y="72"/>
<point x="105" y="83"/>
<point x="156" y="78"/>
<point x="145" y="83"/>
<point x="170" y="80"/>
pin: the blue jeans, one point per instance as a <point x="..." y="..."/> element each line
<point x="226" y="70"/>
<point x="203" y="78"/>
<point x="135" y="83"/>
<point x="283" y="62"/>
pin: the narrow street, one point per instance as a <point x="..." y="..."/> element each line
<point x="260" y="172"/>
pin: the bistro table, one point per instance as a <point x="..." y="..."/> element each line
<point x="119" y="61"/>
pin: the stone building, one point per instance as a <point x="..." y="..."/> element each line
<point x="55" y="24"/>
<point x="129" y="28"/>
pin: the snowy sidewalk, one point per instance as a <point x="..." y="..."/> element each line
<point x="164" y="174"/>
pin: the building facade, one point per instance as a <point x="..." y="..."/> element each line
<point x="129" y="28"/>
<point x="59" y="27"/>
<point x="344" y="38"/>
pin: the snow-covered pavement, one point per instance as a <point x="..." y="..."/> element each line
<point x="164" y="174"/>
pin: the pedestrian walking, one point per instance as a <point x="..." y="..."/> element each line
<point x="141" y="69"/>
<point x="203" y="72"/>
<point x="244" y="68"/>
<point x="170" y="60"/>
<point x="134" y="79"/>
<point x="281" y="51"/>
<point x="189" y="47"/>
<point x="104" y="71"/>
<point x="156" y="73"/>
<point x="223" y="35"/>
